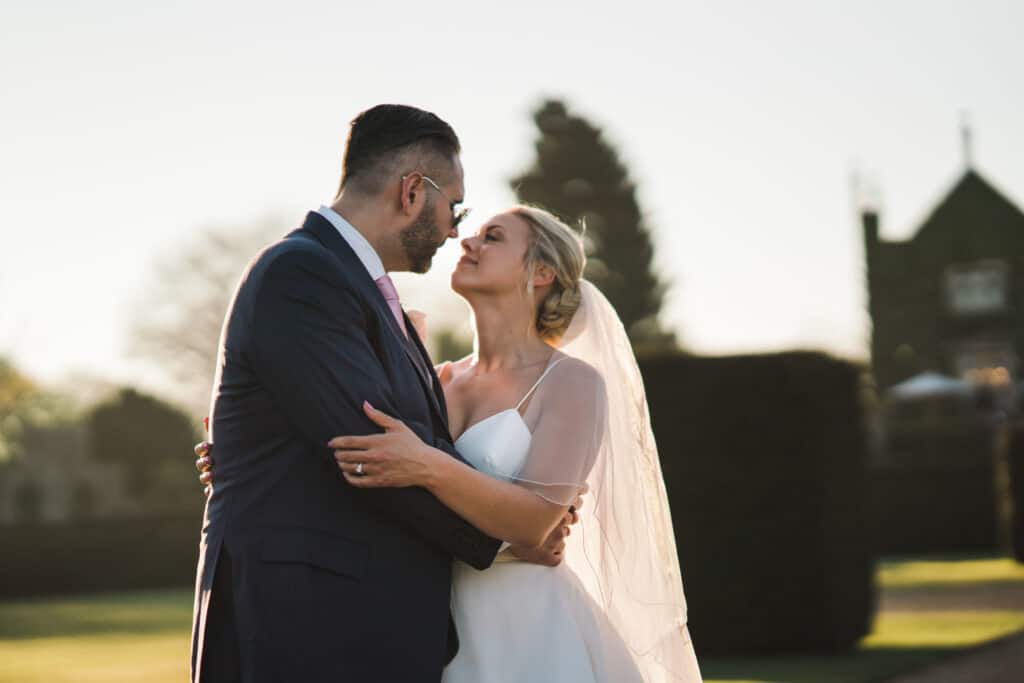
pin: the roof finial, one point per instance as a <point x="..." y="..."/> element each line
<point x="966" y="138"/>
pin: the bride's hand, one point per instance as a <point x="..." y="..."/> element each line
<point x="552" y="551"/>
<point x="204" y="463"/>
<point x="419" y="321"/>
<point x="394" y="459"/>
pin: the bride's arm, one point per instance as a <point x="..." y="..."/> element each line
<point x="498" y="508"/>
<point x="398" y="458"/>
<point x="563" y="446"/>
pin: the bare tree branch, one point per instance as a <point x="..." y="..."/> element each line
<point x="177" y="320"/>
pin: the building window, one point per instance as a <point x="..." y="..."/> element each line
<point x="977" y="288"/>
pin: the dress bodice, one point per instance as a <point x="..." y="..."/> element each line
<point x="497" y="445"/>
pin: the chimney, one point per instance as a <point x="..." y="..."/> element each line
<point x="869" y="219"/>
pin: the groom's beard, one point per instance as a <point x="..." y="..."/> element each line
<point x="420" y="240"/>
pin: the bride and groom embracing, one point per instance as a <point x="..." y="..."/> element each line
<point x="374" y="519"/>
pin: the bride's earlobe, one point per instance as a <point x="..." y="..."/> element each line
<point x="543" y="275"/>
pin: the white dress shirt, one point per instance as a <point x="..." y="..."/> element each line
<point x="366" y="253"/>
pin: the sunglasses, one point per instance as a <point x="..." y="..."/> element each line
<point x="458" y="213"/>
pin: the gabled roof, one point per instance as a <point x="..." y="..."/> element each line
<point x="971" y="192"/>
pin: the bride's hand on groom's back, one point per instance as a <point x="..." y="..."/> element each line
<point x="396" y="457"/>
<point x="204" y="463"/>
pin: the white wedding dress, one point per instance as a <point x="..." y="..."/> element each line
<point x="520" y="622"/>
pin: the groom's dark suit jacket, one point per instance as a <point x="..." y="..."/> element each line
<point x="301" y="576"/>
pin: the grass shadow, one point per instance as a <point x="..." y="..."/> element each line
<point x="136" y="613"/>
<point x="863" y="666"/>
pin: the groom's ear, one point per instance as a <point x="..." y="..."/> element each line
<point x="411" y="189"/>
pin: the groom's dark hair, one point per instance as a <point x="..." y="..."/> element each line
<point x="382" y="137"/>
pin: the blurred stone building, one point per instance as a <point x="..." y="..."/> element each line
<point x="57" y="481"/>
<point x="947" y="345"/>
<point x="951" y="298"/>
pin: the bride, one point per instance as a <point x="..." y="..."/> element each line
<point x="550" y="404"/>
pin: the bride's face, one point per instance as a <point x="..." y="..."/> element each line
<point x="493" y="259"/>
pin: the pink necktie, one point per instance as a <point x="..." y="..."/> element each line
<point x="387" y="289"/>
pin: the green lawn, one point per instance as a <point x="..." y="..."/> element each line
<point x="124" y="637"/>
<point x="924" y="573"/>
<point x="901" y="641"/>
<point x="143" y="636"/>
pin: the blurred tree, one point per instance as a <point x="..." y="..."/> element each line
<point x="13" y="386"/>
<point x="28" y="412"/>
<point x="151" y="440"/>
<point x="449" y="345"/>
<point x="578" y="175"/>
<point x="179" y="316"/>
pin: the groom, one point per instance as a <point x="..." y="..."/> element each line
<point x="302" y="577"/>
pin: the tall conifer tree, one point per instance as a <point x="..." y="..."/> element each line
<point x="578" y="175"/>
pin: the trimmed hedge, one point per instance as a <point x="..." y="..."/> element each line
<point x="934" y="510"/>
<point x="1017" y="488"/>
<point x="99" y="555"/>
<point x="933" y="490"/>
<point x="765" y="463"/>
<point x="764" y="460"/>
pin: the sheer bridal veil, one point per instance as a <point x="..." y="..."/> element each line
<point x="624" y="551"/>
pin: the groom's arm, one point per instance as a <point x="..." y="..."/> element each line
<point x="311" y="350"/>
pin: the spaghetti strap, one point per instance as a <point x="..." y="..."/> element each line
<point x="537" y="383"/>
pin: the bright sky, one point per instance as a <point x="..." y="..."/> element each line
<point x="127" y="126"/>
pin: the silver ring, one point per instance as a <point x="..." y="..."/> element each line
<point x="359" y="469"/>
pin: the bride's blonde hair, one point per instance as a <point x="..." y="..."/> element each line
<point x="559" y="247"/>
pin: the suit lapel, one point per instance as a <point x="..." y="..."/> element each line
<point x="326" y="234"/>
<point x="412" y="348"/>
<point x="432" y="379"/>
<point x="417" y="354"/>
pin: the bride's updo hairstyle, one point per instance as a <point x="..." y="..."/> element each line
<point x="559" y="247"/>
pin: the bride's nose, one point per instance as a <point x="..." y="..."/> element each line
<point x="467" y="244"/>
